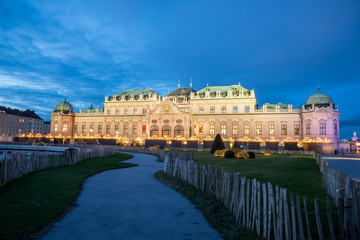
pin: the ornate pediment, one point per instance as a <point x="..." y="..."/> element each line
<point x="322" y="110"/>
<point x="166" y="107"/>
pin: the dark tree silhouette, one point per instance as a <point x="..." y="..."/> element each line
<point x="218" y="144"/>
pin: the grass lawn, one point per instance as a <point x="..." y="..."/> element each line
<point x="33" y="201"/>
<point x="297" y="173"/>
<point x="212" y="209"/>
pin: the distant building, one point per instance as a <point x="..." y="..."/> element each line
<point x="47" y="127"/>
<point x="14" y="122"/>
<point x="185" y="113"/>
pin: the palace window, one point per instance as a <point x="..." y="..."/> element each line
<point x="117" y="129"/>
<point x="179" y="131"/>
<point x="83" y="129"/>
<point x="308" y="129"/>
<point x="135" y="128"/>
<point x="117" y="111"/>
<point x="108" y="112"/>
<point x="223" y="109"/>
<point x="201" y="129"/>
<point x="166" y="131"/>
<point x="247" y="108"/>
<point x="212" y="129"/>
<point x="235" y="109"/>
<point x="144" y="110"/>
<point x="247" y="129"/>
<point x="234" y="129"/>
<point x="135" y="110"/>
<point x="100" y="129"/>
<point x="335" y="128"/>
<point x="223" y="129"/>
<point x="201" y="109"/>
<point x="258" y="129"/>
<point x="212" y="109"/>
<point x="296" y="129"/>
<point x="108" y="129"/>
<point x="154" y="131"/>
<point x="143" y="129"/>
<point x="283" y="129"/>
<point x="56" y="127"/>
<point x="65" y="127"/>
<point x="125" y="110"/>
<point x="75" y="129"/>
<point x="126" y="127"/>
<point x="91" y="128"/>
<point x="322" y="128"/>
<point x="271" y="129"/>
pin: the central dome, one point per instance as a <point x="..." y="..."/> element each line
<point x="319" y="99"/>
<point x="64" y="107"/>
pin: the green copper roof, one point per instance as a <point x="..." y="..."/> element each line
<point x="319" y="98"/>
<point x="136" y="92"/>
<point x="91" y="109"/>
<point x="214" y="89"/>
<point x="64" y="106"/>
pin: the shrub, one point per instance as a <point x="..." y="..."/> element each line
<point x="236" y="150"/>
<point x="220" y="153"/>
<point x="251" y="154"/>
<point x="229" y="154"/>
<point x="268" y="152"/>
<point x="218" y="144"/>
<point x="167" y="149"/>
<point x="242" y="155"/>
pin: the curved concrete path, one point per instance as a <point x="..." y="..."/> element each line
<point x="348" y="164"/>
<point x="131" y="204"/>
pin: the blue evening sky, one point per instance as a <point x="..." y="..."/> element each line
<point x="86" y="50"/>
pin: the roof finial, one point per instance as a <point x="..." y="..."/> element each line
<point x="179" y="83"/>
<point x="64" y="99"/>
<point x="91" y="106"/>
<point x="190" y="82"/>
<point x="207" y="84"/>
<point x="318" y="85"/>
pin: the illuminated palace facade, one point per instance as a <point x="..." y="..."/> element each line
<point x="232" y="111"/>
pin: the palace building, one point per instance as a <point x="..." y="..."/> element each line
<point x="186" y="114"/>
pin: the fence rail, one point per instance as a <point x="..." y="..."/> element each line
<point x="274" y="213"/>
<point x="15" y="165"/>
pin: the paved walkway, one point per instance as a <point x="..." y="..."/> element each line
<point x="131" y="204"/>
<point x="349" y="165"/>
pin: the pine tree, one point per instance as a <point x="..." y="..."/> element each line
<point x="218" y="144"/>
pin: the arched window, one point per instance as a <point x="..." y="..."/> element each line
<point x="166" y="131"/>
<point x="154" y="131"/>
<point x="179" y="131"/>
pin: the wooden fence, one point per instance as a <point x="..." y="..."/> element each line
<point x="15" y="165"/>
<point x="345" y="191"/>
<point x="274" y="213"/>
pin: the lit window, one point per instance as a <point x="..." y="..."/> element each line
<point x="100" y="129"/>
<point x="235" y="109"/>
<point x="143" y="129"/>
<point x="271" y="129"/>
<point x="322" y="128"/>
<point x="235" y="129"/>
<point x="201" y="129"/>
<point x="283" y="129"/>
<point x="296" y="129"/>
<point x="308" y="129"/>
<point x="56" y="127"/>
<point x="247" y="108"/>
<point x="201" y="109"/>
<point x="83" y="128"/>
<point x="223" y="129"/>
<point x="247" y="129"/>
<point x="212" y="129"/>
<point x="117" y="129"/>
<point x="258" y="129"/>
<point x="223" y="109"/>
<point x="212" y="109"/>
<point x="91" y="128"/>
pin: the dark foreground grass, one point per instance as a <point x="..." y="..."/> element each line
<point x="32" y="202"/>
<point x="213" y="210"/>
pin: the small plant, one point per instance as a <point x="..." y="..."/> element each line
<point x="251" y="154"/>
<point x="242" y="155"/>
<point x="220" y="153"/>
<point x="268" y="152"/>
<point x="167" y="149"/>
<point x="218" y="144"/>
<point x="229" y="154"/>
